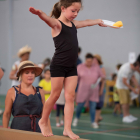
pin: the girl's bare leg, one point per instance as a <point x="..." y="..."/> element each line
<point x="70" y="84"/>
<point x="49" y="124"/>
<point x="57" y="84"/>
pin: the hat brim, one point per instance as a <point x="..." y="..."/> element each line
<point x="21" y="53"/>
<point x="38" y="70"/>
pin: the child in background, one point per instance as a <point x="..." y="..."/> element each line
<point x="116" y="98"/>
<point x="60" y="103"/>
<point x="46" y="83"/>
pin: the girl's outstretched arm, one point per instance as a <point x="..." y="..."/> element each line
<point x="50" y="21"/>
<point x="88" y="22"/>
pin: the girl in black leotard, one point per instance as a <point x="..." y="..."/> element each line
<point x="63" y="66"/>
<point x="25" y="101"/>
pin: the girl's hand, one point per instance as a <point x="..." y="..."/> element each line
<point x="101" y="23"/>
<point x="34" y="11"/>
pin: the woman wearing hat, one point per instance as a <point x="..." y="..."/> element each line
<point x="23" y="54"/>
<point x="98" y="61"/>
<point x="24" y="101"/>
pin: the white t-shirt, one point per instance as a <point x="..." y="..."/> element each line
<point x="124" y="72"/>
<point x="15" y="82"/>
<point x="61" y="99"/>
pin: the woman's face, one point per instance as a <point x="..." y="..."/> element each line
<point x="72" y="11"/>
<point x="89" y="62"/>
<point x="28" y="75"/>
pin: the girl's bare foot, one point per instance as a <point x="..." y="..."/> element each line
<point x="44" y="128"/>
<point x="70" y="134"/>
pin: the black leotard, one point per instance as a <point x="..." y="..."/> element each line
<point x="66" y="45"/>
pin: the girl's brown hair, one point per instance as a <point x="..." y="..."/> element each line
<point x="56" y="12"/>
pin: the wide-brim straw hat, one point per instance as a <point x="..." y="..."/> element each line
<point x="98" y="57"/>
<point x="23" y="50"/>
<point x="29" y="64"/>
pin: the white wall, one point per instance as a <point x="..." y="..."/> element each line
<point x="19" y="27"/>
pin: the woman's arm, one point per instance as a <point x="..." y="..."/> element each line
<point x="52" y="22"/>
<point x="1" y="73"/>
<point x="43" y="102"/>
<point x="88" y="22"/>
<point x="13" y="72"/>
<point x="8" y="107"/>
<point x="102" y="86"/>
<point x="103" y="80"/>
<point x="12" y="75"/>
<point x="103" y="71"/>
<point x="102" y="74"/>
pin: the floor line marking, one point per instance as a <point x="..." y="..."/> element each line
<point x="109" y="134"/>
<point x="106" y="131"/>
<point x="104" y="123"/>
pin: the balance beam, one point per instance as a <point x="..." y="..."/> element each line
<point x="12" y="134"/>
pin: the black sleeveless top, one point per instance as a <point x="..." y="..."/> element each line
<point x="66" y="47"/>
<point x="27" y="111"/>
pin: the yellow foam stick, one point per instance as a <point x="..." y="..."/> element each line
<point x="118" y="24"/>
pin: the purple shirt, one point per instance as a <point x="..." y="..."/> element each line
<point x="87" y="77"/>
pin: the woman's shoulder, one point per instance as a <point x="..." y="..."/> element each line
<point x="11" y="92"/>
